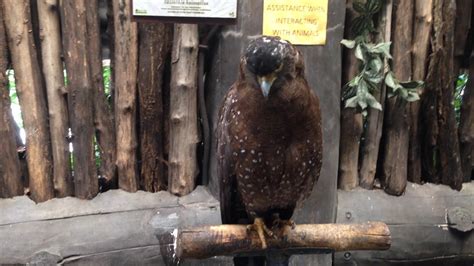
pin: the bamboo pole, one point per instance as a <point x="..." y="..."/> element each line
<point x="50" y="32"/>
<point x="228" y="240"/>
<point x="32" y="97"/>
<point x="126" y="64"/>
<point x="183" y="167"/>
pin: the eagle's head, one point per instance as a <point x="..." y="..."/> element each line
<point x="270" y="62"/>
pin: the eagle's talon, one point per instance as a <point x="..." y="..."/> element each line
<point x="279" y="223"/>
<point x="261" y="229"/>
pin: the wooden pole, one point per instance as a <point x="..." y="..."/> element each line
<point x="373" y="132"/>
<point x="421" y="40"/>
<point x="126" y="64"/>
<point x="10" y="172"/>
<point x="154" y="47"/>
<point x="466" y="125"/>
<point x="351" y="118"/>
<point x="81" y="95"/>
<point x="183" y="167"/>
<point x="448" y="142"/>
<point x="394" y="164"/>
<point x="32" y="97"/>
<point x="228" y="240"/>
<point x="51" y="49"/>
<point x="103" y="117"/>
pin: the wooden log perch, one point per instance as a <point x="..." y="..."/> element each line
<point x="228" y="240"/>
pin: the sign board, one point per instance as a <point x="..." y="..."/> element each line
<point x="183" y="10"/>
<point x="301" y="22"/>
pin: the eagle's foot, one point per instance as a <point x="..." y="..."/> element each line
<point x="279" y="223"/>
<point x="261" y="229"/>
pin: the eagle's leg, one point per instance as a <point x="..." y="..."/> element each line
<point x="278" y="222"/>
<point x="261" y="229"/>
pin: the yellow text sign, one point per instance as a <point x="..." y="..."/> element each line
<point x="298" y="21"/>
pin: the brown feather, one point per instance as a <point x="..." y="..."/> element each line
<point x="269" y="149"/>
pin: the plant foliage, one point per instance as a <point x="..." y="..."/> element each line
<point x="358" y="93"/>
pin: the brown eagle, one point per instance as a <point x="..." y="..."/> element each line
<point x="269" y="140"/>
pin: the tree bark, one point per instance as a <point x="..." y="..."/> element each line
<point x="448" y="145"/>
<point x="461" y="30"/>
<point x="31" y="95"/>
<point x="373" y="131"/>
<point x="103" y="117"/>
<point x="50" y="36"/>
<point x="421" y="41"/>
<point x="351" y="118"/>
<point x="126" y="64"/>
<point x="466" y="128"/>
<point x="154" y="47"/>
<point x="10" y="172"/>
<point x="81" y="95"/>
<point x="183" y="167"/>
<point x="394" y="172"/>
<point x="209" y="241"/>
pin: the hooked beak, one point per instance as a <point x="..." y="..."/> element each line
<point x="266" y="83"/>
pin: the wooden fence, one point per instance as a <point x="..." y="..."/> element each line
<point x="421" y="141"/>
<point x="144" y="131"/>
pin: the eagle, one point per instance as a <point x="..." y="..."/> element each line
<point x="269" y="139"/>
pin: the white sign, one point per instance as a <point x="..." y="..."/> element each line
<point x="186" y="8"/>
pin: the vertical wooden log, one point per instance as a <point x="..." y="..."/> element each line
<point x="31" y="95"/>
<point x="448" y="145"/>
<point x="50" y="37"/>
<point x="183" y="110"/>
<point x="103" y="118"/>
<point x="126" y="63"/>
<point x="10" y="172"/>
<point x="154" y="47"/>
<point x="373" y="131"/>
<point x="81" y="95"/>
<point x="351" y="118"/>
<point x="461" y="30"/>
<point x="466" y="128"/>
<point x="421" y="40"/>
<point x="394" y="172"/>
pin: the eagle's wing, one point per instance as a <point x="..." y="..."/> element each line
<point x="225" y="163"/>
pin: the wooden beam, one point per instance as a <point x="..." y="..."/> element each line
<point x="53" y="71"/>
<point x="80" y="97"/>
<point x="31" y="93"/>
<point x="227" y="240"/>
<point x="126" y="64"/>
<point x="184" y="138"/>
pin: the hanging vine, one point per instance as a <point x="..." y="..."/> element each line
<point x="358" y="93"/>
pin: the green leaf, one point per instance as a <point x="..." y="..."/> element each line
<point x="391" y="82"/>
<point x="351" y="102"/>
<point x="359" y="54"/>
<point x="372" y="102"/>
<point x="348" y="43"/>
<point x="359" y="7"/>
<point x="373" y="6"/>
<point x="375" y="65"/>
<point x="382" y="48"/>
<point x="414" y="84"/>
<point x="412" y="97"/>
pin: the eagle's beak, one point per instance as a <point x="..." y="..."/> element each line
<point x="266" y="83"/>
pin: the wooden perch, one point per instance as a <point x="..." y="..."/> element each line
<point x="228" y="240"/>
